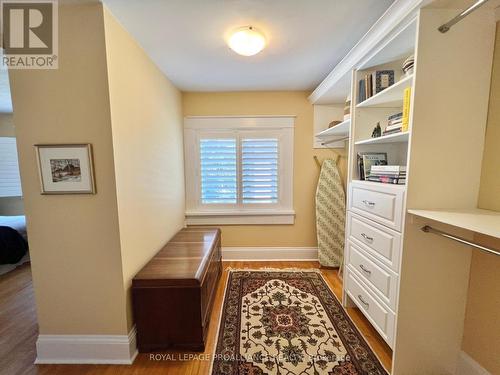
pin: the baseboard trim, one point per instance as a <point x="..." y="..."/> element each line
<point x="468" y="366"/>
<point x="87" y="349"/>
<point x="270" y="253"/>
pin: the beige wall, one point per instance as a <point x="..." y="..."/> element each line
<point x="7" y="125"/>
<point x="482" y="322"/>
<point x="74" y="239"/>
<point x="146" y="115"/>
<point x="9" y="205"/>
<point x="86" y="248"/>
<point x="302" y="233"/>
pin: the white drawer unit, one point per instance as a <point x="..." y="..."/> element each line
<point x="382" y="203"/>
<point x="383" y="282"/>
<point x="381" y="317"/>
<point x="381" y="242"/>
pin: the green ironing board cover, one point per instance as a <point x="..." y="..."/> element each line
<point x="330" y="215"/>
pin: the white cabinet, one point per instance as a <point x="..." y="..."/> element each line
<point x="372" y="252"/>
<point x="377" y="313"/>
<point x="382" y="203"/>
<point x="382" y="281"/>
<point x="382" y="242"/>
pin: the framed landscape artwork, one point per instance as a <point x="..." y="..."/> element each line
<point x="66" y="169"/>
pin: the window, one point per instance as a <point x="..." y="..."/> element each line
<point x="219" y="180"/>
<point x="10" y="181"/>
<point x="239" y="170"/>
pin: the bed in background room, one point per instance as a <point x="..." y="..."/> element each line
<point x="13" y="243"/>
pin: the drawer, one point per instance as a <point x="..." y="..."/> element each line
<point x="381" y="242"/>
<point x="382" y="281"/>
<point x="382" y="203"/>
<point x="381" y="317"/>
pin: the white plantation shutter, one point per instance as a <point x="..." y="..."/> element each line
<point x="259" y="170"/>
<point x="218" y="171"/>
<point x="10" y="181"/>
<point x="239" y="170"/>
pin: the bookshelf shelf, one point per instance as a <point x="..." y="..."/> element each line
<point x="390" y="97"/>
<point x="476" y="220"/>
<point x="337" y="132"/>
<point x="391" y="138"/>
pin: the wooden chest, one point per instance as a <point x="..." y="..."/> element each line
<point x="173" y="294"/>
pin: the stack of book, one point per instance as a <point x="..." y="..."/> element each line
<point x="388" y="174"/>
<point x="394" y="124"/>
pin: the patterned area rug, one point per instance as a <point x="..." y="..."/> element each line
<point x="287" y="322"/>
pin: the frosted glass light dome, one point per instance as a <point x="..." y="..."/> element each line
<point x="247" y="41"/>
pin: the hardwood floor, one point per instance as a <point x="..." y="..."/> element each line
<point x="18" y="325"/>
<point x="18" y="331"/>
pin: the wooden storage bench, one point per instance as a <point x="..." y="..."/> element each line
<point x="173" y="294"/>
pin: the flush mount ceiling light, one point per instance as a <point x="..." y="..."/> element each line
<point x="247" y="41"/>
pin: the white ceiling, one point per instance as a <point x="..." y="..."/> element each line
<point x="306" y="39"/>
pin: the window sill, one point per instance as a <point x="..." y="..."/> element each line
<point x="240" y="217"/>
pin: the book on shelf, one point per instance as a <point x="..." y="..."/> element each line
<point x="406" y="109"/>
<point x="388" y="174"/>
<point x="366" y="160"/>
<point x="393" y="127"/>
<point x="398" y="115"/>
<point x="368" y="86"/>
<point x="387" y="179"/>
<point x="361" y="91"/>
<point x="374" y="82"/>
<point x="389" y="168"/>
<point x="394" y="122"/>
<point x="389" y="132"/>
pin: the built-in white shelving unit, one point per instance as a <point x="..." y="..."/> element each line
<point x="383" y="246"/>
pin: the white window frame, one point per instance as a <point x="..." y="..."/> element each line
<point x="9" y="166"/>
<point x="197" y="127"/>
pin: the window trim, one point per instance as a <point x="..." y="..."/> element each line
<point x="199" y="214"/>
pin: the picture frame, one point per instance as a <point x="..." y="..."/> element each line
<point x="365" y="160"/>
<point x="66" y="168"/>
<point x="383" y="80"/>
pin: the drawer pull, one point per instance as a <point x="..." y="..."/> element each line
<point x="368" y="238"/>
<point x="360" y="297"/>
<point x="369" y="203"/>
<point x="368" y="272"/>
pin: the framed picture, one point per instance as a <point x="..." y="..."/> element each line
<point x="66" y="169"/>
<point x="383" y="79"/>
<point x="367" y="159"/>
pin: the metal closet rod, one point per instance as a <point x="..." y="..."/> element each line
<point x="429" y="229"/>
<point x="447" y="26"/>
<point x="334" y="140"/>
